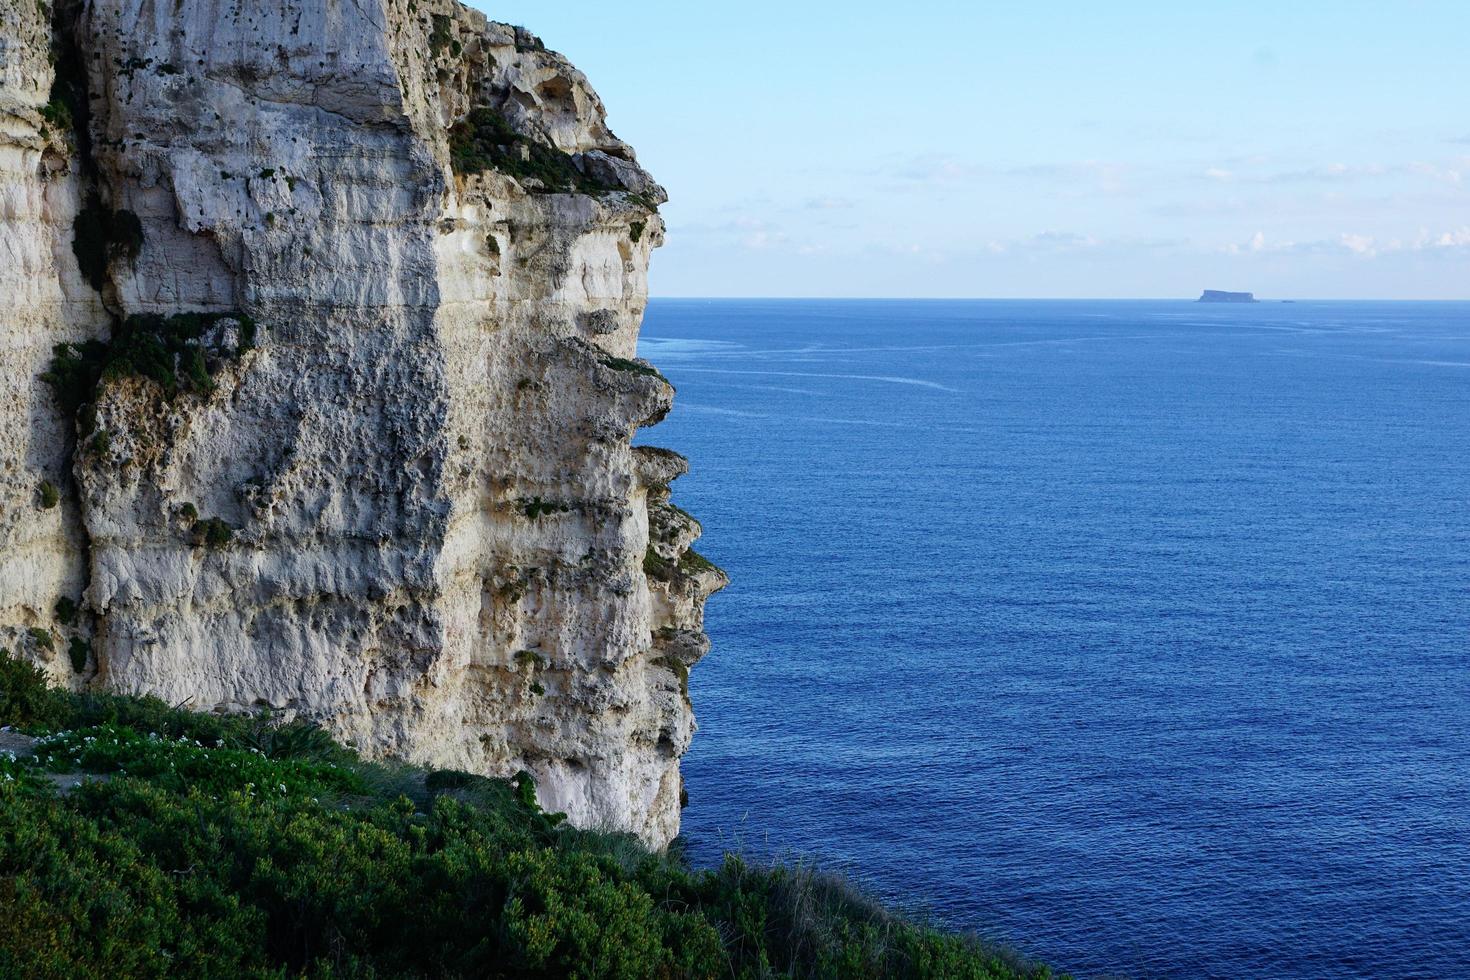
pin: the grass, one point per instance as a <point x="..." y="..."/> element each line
<point x="239" y="846"/>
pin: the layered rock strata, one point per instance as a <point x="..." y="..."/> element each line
<point x="348" y="298"/>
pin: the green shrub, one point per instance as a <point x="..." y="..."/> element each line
<point x="694" y="563"/>
<point x="201" y="856"/>
<point x="530" y="658"/>
<point x="101" y="235"/>
<point x="211" y="533"/>
<point x="50" y="496"/>
<point x="78" y="650"/>
<point x="57" y="113"/>
<point x="635" y="230"/>
<point x="636" y="367"/>
<point x="485" y="140"/>
<point x="25" y="699"/>
<point x="440" y="37"/>
<point x="656" y="566"/>
<point x="168" y="351"/>
<point x="66" y="611"/>
<point x="42" y="638"/>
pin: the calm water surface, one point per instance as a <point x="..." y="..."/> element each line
<point x="1134" y="634"/>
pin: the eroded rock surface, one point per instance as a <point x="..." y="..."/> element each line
<point x="353" y="439"/>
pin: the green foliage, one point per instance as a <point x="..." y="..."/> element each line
<point x="42" y="638"/>
<point x="169" y="351"/>
<point x="78" y="650"/>
<point x="200" y="856"/>
<point x="484" y="140"/>
<point x="690" y="562"/>
<point x="50" y="496"/>
<point x="211" y="532"/>
<point x="636" y="367"/>
<point x="646" y="201"/>
<point x="25" y="699"/>
<point x="440" y="37"/>
<point x="635" y="229"/>
<point x="657" y="566"/>
<point x="66" y="611"/>
<point x="530" y="658"/>
<point x="179" y="764"/>
<point x="57" y="113"/>
<point x="188" y="511"/>
<point x="101" y="235"/>
<point x="535" y="507"/>
<point x="694" y="563"/>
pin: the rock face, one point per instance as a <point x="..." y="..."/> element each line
<point x="352" y="435"/>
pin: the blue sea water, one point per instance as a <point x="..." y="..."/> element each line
<point x="1134" y="634"/>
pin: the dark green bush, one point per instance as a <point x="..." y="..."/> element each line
<point x="211" y="533"/>
<point x="440" y="37"/>
<point x="101" y="235"/>
<point x="167" y="350"/>
<point x="78" y="650"/>
<point x="66" y="611"/>
<point x="50" y="496"/>
<point x="201" y="856"/>
<point x="25" y="699"/>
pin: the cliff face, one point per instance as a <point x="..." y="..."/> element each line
<point x="352" y="294"/>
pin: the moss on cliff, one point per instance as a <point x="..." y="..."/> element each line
<point x="233" y="846"/>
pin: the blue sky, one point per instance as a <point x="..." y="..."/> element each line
<point x="1067" y="149"/>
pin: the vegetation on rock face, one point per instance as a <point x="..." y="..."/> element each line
<point x="100" y="235"/>
<point x="634" y="367"/>
<point x="536" y="507"/>
<point x="169" y="351"/>
<point x="691" y="562"/>
<point x="78" y="651"/>
<point x="233" y="846"/>
<point x="484" y="140"/>
<point x="50" y="496"/>
<point x="211" y="533"/>
<point x="66" y="611"/>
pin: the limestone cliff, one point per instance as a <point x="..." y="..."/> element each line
<point x="348" y="297"/>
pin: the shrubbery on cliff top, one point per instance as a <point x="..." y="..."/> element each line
<point x="235" y="847"/>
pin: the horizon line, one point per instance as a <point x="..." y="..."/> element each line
<point x="1055" y="299"/>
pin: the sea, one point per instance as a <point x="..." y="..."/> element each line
<point x="1132" y="635"/>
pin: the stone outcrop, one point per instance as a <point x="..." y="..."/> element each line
<point x="352" y="294"/>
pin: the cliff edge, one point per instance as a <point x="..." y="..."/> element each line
<point x="320" y="382"/>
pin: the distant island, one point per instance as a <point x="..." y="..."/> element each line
<point x="1220" y="296"/>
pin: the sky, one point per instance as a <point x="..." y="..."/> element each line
<point x="1309" y="149"/>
